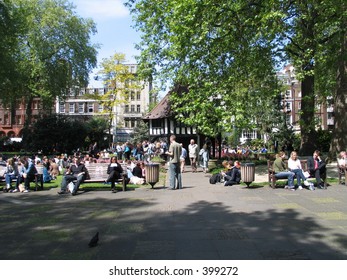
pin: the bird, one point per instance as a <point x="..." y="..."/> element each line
<point x="94" y="241"/>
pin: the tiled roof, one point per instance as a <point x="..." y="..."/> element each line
<point x="162" y="110"/>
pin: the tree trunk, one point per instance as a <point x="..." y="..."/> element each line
<point x="339" y="141"/>
<point x="307" y="121"/>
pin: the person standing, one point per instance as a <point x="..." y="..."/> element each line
<point x="193" y="154"/>
<point x="175" y="151"/>
<point x="205" y="156"/>
<point x="183" y="158"/>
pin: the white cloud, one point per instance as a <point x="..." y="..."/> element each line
<point x="101" y="9"/>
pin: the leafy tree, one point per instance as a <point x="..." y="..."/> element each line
<point x="214" y="51"/>
<point x="120" y="84"/>
<point x="225" y="52"/>
<point x="53" y="52"/>
<point x="97" y="129"/>
<point x="140" y="133"/>
<point x="8" y="41"/>
<point x="56" y="133"/>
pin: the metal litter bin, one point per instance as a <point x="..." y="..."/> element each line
<point x="247" y="173"/>
<point x="152" y="173"/>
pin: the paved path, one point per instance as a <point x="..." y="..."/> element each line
<point x="201" y="221"/>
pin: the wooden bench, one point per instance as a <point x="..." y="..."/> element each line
<point x="271" y="173"/>
<point x="38" y="179"/>
<point x="342" y="172"/>
<point x="98" y="174"/>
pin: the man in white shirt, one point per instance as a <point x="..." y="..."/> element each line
<point x="193" y="154"/>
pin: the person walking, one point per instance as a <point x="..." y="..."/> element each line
<point x="204" y="158"/>
<point x="183" y="158"/>
<point x="175" y="151"/>
<point x="193" y="154"/>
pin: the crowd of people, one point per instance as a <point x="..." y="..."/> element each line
<point x="20" y="171"/>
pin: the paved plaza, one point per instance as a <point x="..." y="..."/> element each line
<point x="201" y="221"/>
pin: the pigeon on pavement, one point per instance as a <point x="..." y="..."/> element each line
<point x="94" y="241"/>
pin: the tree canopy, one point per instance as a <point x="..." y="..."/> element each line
<point x="50" y="50"/>
<point x="226" y="54"/>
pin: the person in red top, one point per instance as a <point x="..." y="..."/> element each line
<point x="316" y="167"/>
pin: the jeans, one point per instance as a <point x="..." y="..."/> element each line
<point x="175" y="174"/>
<point x="9" y="178"/>
<point x="299" y="175"/>
<point x="69" y="178"/>
<point x="286" y="175"/>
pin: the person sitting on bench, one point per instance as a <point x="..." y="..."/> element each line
<point x="77" y="171"/>
<point x="114" y="171"/>
<point x="316" y="167"/>
<point x="281" y="171"/>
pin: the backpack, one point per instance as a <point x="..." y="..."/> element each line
<point x="215" y="178"/>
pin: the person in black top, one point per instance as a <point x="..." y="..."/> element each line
<point x="137" y="170"/>
<point x="77" y="171"/>
<point x="114" y="171"/>
<point x="316" y="167"/>
<point x="233" y="176"/>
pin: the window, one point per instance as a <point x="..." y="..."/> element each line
<point x="80" y="108"/>
<point x="249" y="134"/>
<point x="100" y="108"/>
<point x="138" y="108"/>
<point x="132" y="123"/>
<point x="157" y="123"/>
<point x="126" y="109"/>
<point x="132" y="109"/>
<point x="19" y="120"/>
<point x="72" y="108"/>
<point x="62" y="108"/>
<point x="132" y="96"/>
<point x="138" y="96"/>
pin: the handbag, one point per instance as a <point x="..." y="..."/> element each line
<point x="307" y="174"/>
<point x="71" y="187"/>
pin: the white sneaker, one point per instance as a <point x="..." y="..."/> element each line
<point x="25" y="191"/>
<point x="300" y="188"/>
<point x="306" y="183"/>
<point x="311" y="187"/>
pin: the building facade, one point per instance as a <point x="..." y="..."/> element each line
<point x="125" y="115"/>
<point x="291" y="102"/>
<point x="78" y="105"/>
<point x="13" y="117"/>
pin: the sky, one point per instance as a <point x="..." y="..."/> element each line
<point x="115" y="34"/>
